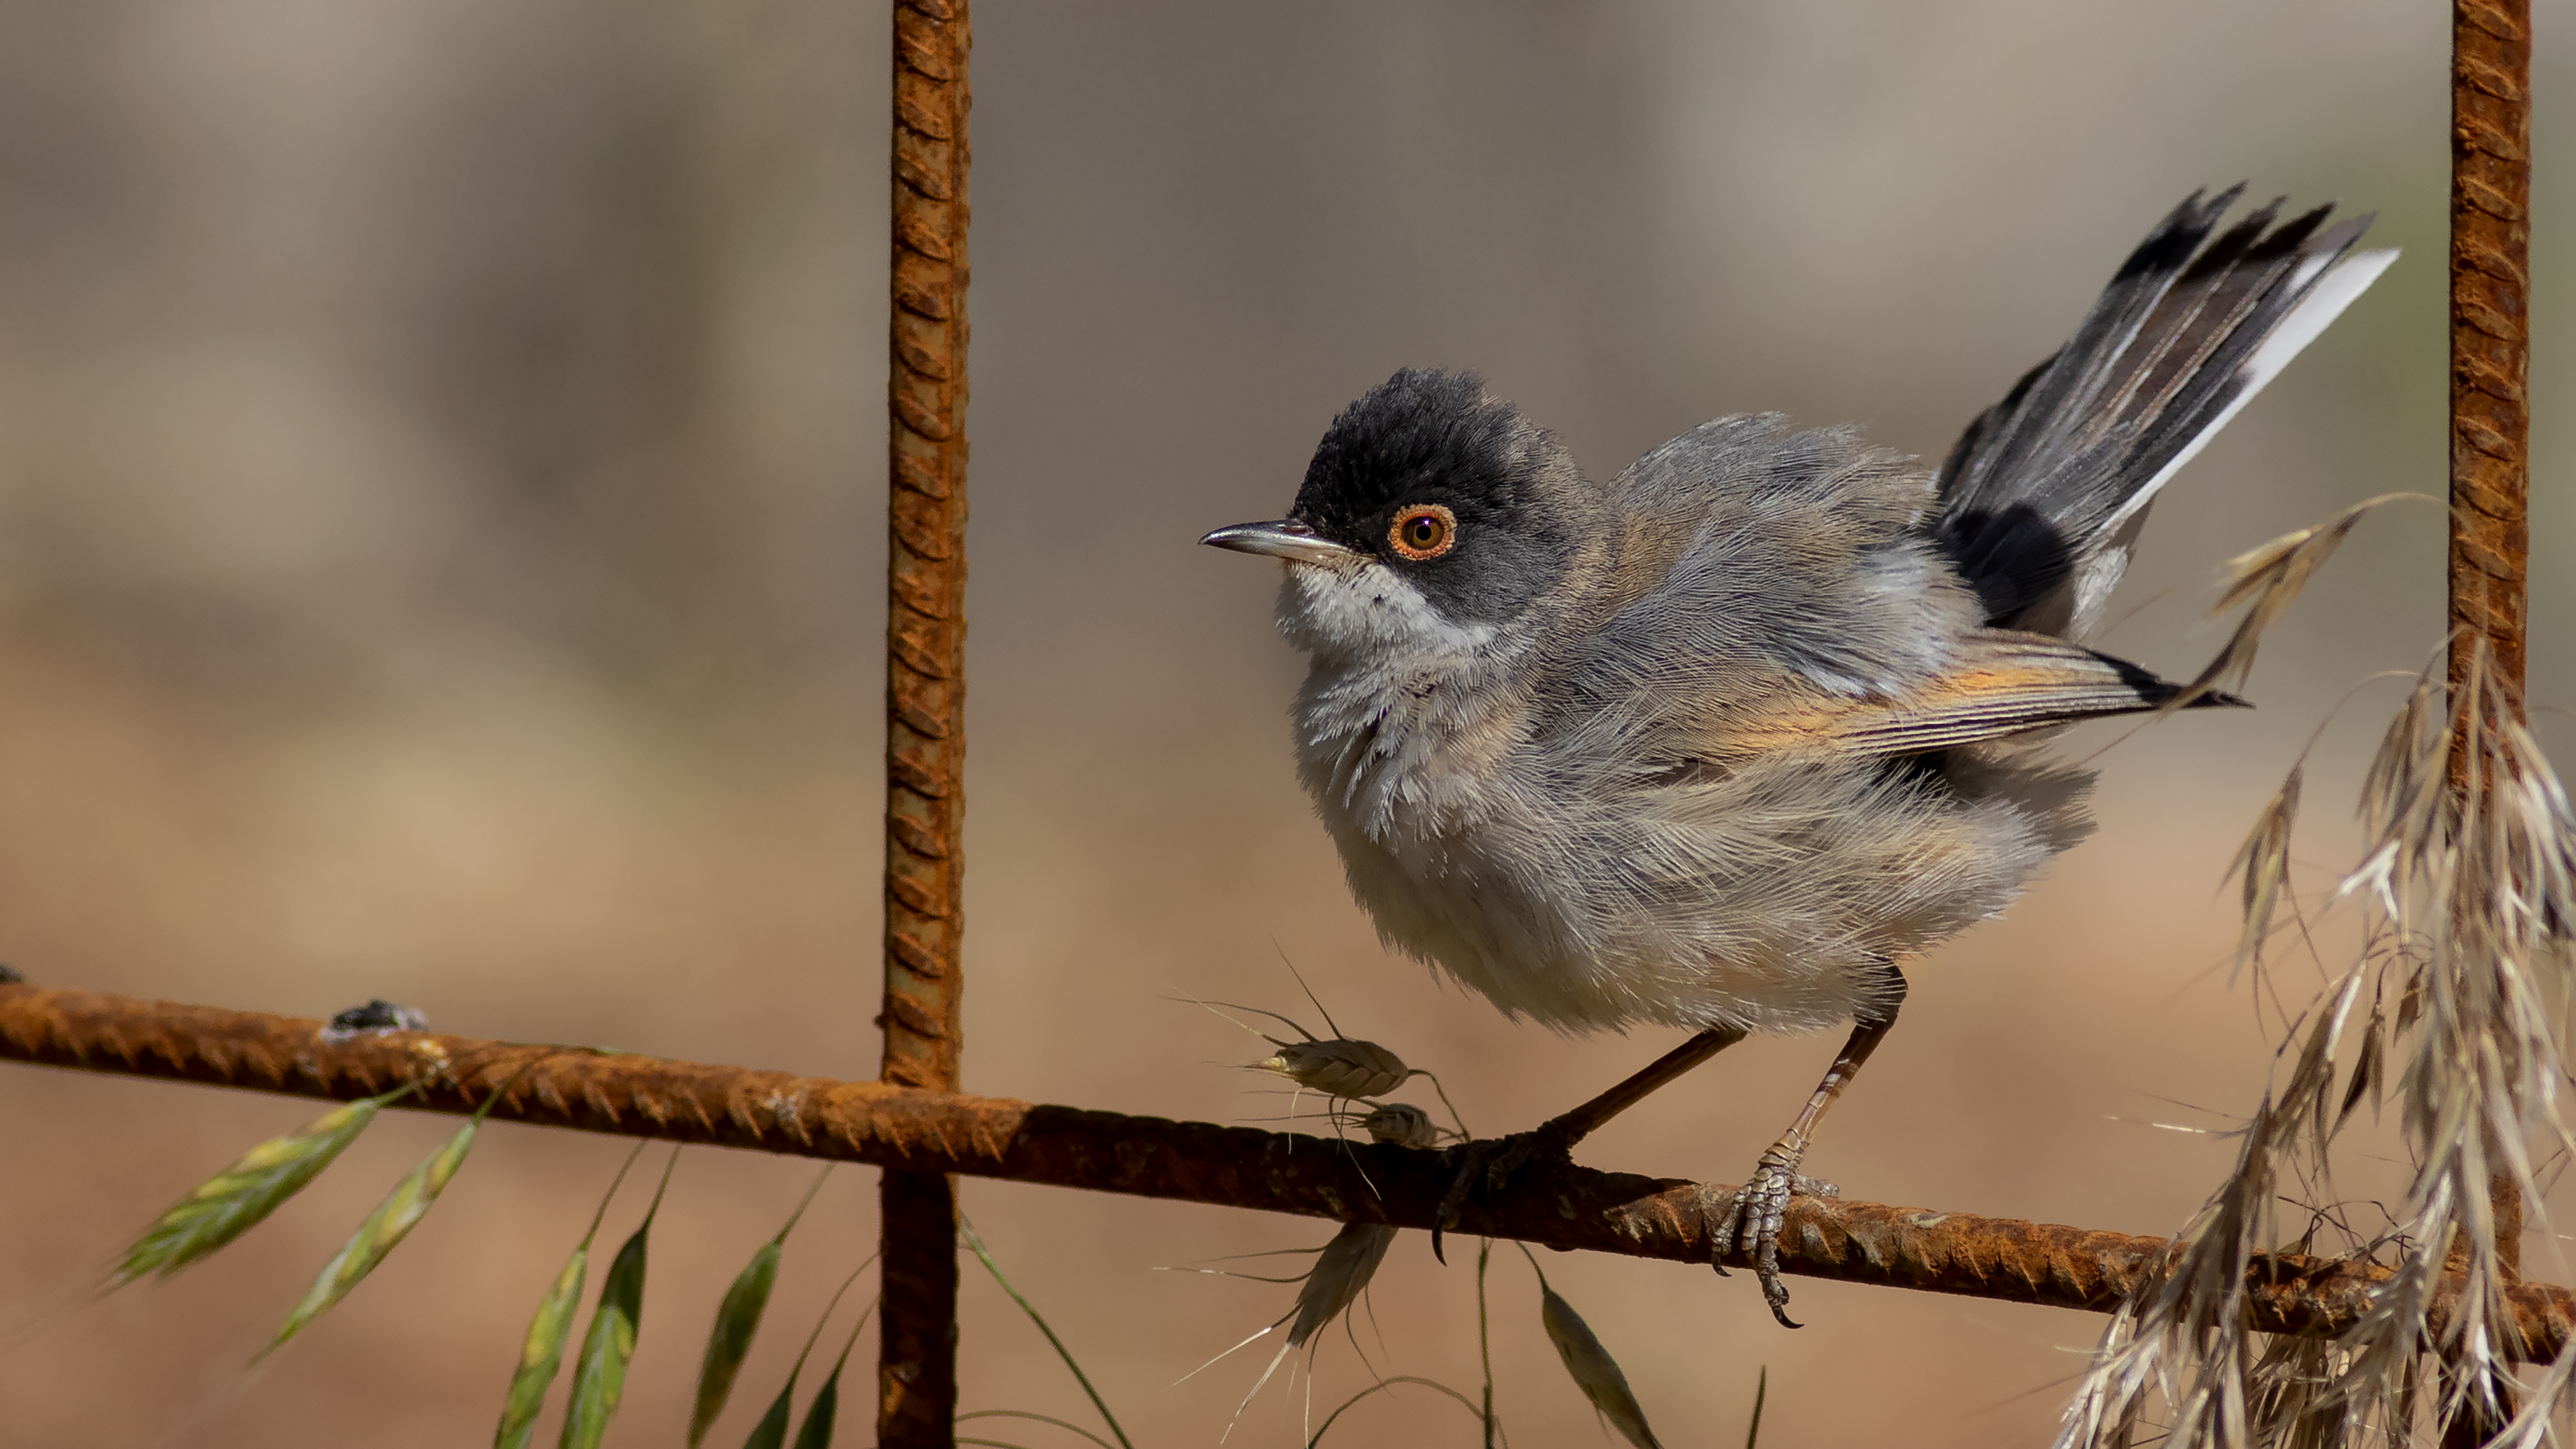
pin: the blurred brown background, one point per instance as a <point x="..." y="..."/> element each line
<point x="440" y="558"/>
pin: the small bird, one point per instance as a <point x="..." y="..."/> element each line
<point x="1721" y="744"/>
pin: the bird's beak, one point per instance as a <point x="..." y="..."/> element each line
<point x="1286" y="538"/>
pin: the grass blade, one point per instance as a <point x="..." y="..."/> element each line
<point x="541" y="1353"/>
<point x="1761" y="1391"/>
<point x="1381" y="1386"/>
<point x="966" y="1230"/>
<point x="1485" y="1338"/>
<point x="771" y="1431"/>
<point x="817" y="1432"/>
<point x="387" y="1226"/>
<point x="234" y="1200"/>
<point x="599" y="1376"/>
<point x="737" y="1320"/>
<point x="1070" y="1428"/>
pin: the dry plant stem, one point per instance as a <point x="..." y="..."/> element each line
<point x="2490" y="412"/>
<point x="925" y="701"/>
<point x="1553" y="1204"/>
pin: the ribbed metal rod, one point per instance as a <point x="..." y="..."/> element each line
<point x="2490" y="535"/>
<point x="925" y="702"/>
<point x="932" y="1133"/>
<point x="2490" y="555"/>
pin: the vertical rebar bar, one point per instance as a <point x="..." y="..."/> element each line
<point x="2490" y="338"/>
<point x="925" y="704"/>
<point x="2490" y="536"/>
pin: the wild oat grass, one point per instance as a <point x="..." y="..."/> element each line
<point x="771" y="1431"/>
<point x="386" y="1227"/>
<point x="391" y="1222"/>
<point x="2453" y="1008"/>
<point x="2265" y="580"/>
<point x="234" y="1200"/>
<point x="1338" y="1067"/>
<point x="1343" y="1068"/>
<point x="599" y="1374"/>
<point x="1590" y="1364"/>
<point x="1400" y="1124"/>
<point x="737" y="1321"/>
<point x="541" y="1349"/>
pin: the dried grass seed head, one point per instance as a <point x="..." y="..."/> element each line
<point x="1340" y="1274"/>
<point x="1339" y="1067"/>
<point x="2266" y="580"/>
<point x="1342" y="1271"/>
<point x="2264" y="863"/>
<point x="1592" y="1368"/>
<point x="1401" y="1124"/>
<point x="2469" y="856"/>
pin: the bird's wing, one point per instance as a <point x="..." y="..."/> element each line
<point x="2002" y="682"/>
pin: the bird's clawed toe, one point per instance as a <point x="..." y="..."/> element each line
<point x="1752" y="1222"/>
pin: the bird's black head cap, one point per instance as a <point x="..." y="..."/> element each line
<point x="1451" y="487"/>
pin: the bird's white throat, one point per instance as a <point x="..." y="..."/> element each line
<point x="1364" y="609"/>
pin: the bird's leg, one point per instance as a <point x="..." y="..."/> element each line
<point x="1753" y="1214"/>
<point x="1494" y="1160"/>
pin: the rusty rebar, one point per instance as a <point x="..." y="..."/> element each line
<point x="2490" y="535"/>
<point x="925" y="701"/>
<point x="926" y="1133"/>
<point x="2490" y="334"/>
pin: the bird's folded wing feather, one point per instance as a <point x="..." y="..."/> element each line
<point x="2002" y="683"/>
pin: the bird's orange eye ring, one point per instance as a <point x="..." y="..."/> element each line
<point x="1423" y="531"/>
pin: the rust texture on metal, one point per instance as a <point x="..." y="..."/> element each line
<point x="2490" y="536"/>
<point x="925" y="701"/>
<point x="926" y="488"/>
<point x="928" y="1133"/>
<point x="2490" y="333"/>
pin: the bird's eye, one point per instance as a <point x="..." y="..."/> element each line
<point x="1423" y="531"/>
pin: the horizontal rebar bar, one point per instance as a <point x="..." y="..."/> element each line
<point x="1558" y="1205"/>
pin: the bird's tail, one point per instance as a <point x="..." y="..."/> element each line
<point x="2044" y="494"/>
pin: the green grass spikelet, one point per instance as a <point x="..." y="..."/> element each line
<point x="234" y="1200"/>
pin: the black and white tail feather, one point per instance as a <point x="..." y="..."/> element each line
<point x="2044" y="495"/>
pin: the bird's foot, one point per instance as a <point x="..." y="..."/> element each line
<point x="1490" y="1162"/>
<point x="1752" y="1221"/>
